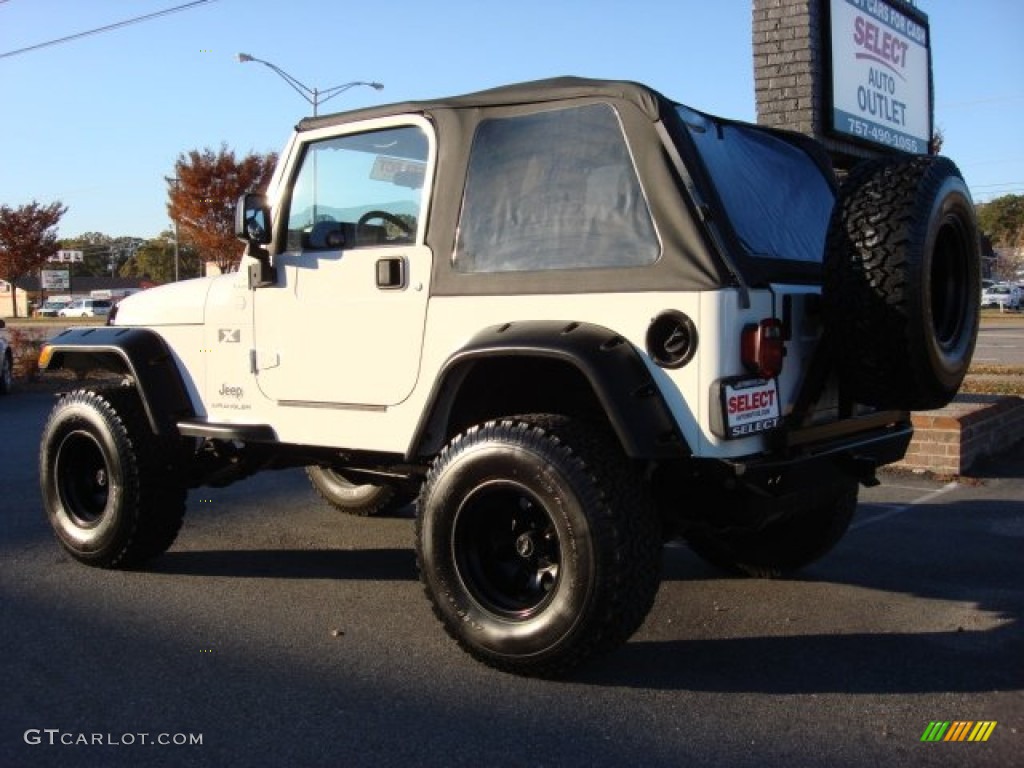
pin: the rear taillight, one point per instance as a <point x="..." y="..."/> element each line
<point x="762" y="348"/>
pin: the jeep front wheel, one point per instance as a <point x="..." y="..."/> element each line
<point x="109" y="486"/>
<point x="537" y="543"/>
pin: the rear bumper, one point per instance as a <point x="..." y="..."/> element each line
<point x="853" y="447"/>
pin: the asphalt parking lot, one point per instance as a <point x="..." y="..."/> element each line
<point x="280" y="633"/>
<point x="1001" y="340"/>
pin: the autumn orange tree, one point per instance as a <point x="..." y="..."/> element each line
<point x="28" y="237"/>
<point x="202" y="196"/>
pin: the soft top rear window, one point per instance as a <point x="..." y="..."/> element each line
<point x="776" y="197"/>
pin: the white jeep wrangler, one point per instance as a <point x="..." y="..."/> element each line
<point x="571" y="318"/>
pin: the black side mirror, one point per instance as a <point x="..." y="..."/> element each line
<point x="252" y="227"/>
<point x="252" y="219"/>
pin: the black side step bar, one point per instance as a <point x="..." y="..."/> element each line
<point x="246" y="433"/>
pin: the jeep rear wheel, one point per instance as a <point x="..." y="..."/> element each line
<point x="362" y="499"/>
<point x="109" y="486"/>
<point x="902" y="282"/>
<point x="801" y="529"/>
<point x="537" y="543"/>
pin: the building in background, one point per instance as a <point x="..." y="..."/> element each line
<point x="31" y="295"/>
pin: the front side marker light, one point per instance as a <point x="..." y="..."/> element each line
<point x="45" y="355"/>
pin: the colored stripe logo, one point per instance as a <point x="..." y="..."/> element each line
<point x="958" y="730"/>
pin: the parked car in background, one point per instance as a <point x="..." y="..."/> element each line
<point x="6" y="361"/>
<point x="1002" y="295"/>
<point x="86" y="308"/>
<point x="51" y="308"/>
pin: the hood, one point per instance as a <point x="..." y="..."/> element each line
<point x="181" y="303"/>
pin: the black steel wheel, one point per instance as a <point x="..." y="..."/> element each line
<point x="537" y="543"/>
<point x="507" y="549"/>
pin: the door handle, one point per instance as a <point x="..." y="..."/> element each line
<point x="391" y="273"/>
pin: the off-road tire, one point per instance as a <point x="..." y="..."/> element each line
<point x="363" y="499"/>
<point x="6" y="374"/>
<point x="902" y="282"/>
<point x="537" y="543"/>
<point x="801" y="529"/>
<point x="111" y="489"/>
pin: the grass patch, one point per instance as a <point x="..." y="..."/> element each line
<point x="998" y="370"/>
<point x="991" y="315"/>
<point x="982" y="386"/>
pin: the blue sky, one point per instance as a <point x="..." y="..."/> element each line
<point x="99" y="121"/>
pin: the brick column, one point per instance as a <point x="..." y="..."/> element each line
<point x="790" y="73"/>
<point x="787" y="64"/>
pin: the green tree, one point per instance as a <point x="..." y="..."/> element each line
<point x="95" y="248"/>
<point x="1002" y="222"/>
<point x="99" y="252"/>
<point x="28" y="237"/>
<point x="154" y="260"/>
<point x="1002" y="219"/>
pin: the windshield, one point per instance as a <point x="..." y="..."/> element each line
<point x="776" y="197"/>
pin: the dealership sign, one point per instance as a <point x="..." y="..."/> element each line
<point x="56" y="280"/>
<point x="881" y="73"/>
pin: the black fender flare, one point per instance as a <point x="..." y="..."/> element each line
<point x="613" y="367"/>
<point x="138" y="353"/>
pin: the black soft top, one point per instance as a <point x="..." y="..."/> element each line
<point x="649" y="101"/>
<point x="695" y="255"/>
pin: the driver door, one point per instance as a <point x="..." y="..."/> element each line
<point x="343" y="324"/>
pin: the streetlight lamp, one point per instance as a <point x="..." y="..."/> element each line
<point x="314" y="96"/>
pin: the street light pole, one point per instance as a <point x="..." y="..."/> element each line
<point x="314" y="96"/>
<point x="174" y="180"/>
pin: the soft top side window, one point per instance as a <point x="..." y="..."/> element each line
<point x="553" y="190"/>
<point x="359" y="190"/>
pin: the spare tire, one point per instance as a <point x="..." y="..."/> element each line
<point x="902" y="282"/>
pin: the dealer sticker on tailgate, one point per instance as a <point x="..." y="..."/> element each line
<point x="749" y="406"/>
